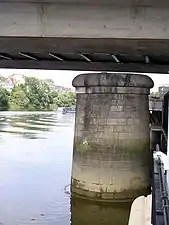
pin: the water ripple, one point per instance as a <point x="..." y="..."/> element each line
<point x="30" y="125"/>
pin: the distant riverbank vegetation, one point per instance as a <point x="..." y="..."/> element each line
<point x="34" y="95"/>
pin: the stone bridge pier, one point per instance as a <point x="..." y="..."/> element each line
<point x="111" y="157"/>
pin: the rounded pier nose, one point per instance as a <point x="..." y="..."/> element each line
<point x="111" y="155"/>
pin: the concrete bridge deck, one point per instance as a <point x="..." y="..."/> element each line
<point x="84" y="35"/>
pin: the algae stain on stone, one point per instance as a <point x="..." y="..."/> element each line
<point x="83" y="146"/>
<point x="138" y="147"/>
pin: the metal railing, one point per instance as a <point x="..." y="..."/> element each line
<point x="160" y="201"/>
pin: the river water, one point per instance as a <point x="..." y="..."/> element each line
<point x="35" y="170"/>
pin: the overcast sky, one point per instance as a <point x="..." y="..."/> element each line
<point x="64" y="78"/>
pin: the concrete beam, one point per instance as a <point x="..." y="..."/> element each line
<point x="101" y="2"/>
<point x="84" y="66"/>
<point x="86" y="21"/>
<point x="111" y="27"/>
<point x="84" y="45"/>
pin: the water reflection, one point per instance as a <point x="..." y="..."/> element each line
<point x="29" y="125"/>
<point x="35" y="170"/>
<point x="90" y="213"/>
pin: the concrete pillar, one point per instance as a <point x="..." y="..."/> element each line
<point x="111" y="154"/>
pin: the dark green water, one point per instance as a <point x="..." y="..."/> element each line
<point x="35" y="170"/>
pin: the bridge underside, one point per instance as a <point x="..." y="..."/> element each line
<point x="98" y="35"/>
<point x="100" y="54"/>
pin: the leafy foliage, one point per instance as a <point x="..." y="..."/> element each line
<point x="35" y="94"/>
<point x="18" y="99"/>
<point x="156" y="95"/>
<point x="65" y="99"/>
<point x="4" y="99"/>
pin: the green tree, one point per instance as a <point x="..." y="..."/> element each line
<point x="18" y="99"/>
<point x="157" y="94"/>
<point x="4" y="99"/>
<point x="2" y="80"/>
<point x="34" y="94"/>
<point x="37" y="94"/>
<point x="65" y="99"/>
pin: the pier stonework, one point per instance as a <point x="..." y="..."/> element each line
<point x="111" y="156"/>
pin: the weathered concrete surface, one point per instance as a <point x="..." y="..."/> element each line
<point x="38" y="19"/>
<point x="83" y="66"/>
<point x="142" y="21"/>
<point x="102" y="2"/>
<point x="111" y="145"/>
<point x="83" y="26"/>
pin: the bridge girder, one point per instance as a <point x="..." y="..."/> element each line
<point x="37" y="34"/>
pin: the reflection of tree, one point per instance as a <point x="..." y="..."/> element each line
<point x="31" y="123"/>
<point x="31" y="136"/>
<point x="28" y="126"/>
<point x="84" y="212"/>
<point x="2" y="124"/>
